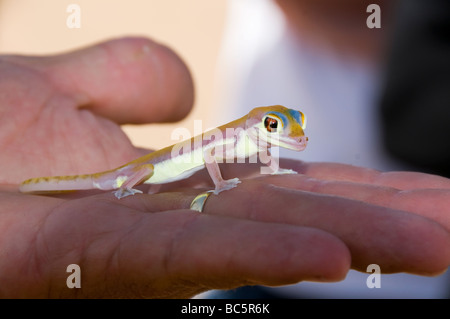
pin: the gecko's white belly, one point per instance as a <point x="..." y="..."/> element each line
<point x="175" y="169"/>
<point x="179" y="167"/>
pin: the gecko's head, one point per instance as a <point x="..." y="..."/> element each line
<point x="277" y="126"/>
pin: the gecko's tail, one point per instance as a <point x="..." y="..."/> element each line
<point x="56" y="184"/>
<point x="123" y="178"/>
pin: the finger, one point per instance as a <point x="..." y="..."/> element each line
<point x="344" y="172"/>
<point x="124" y="252"/>
<point x="128" y="80"/>
<point x="413" y="180"/>
<point x="396" y="240"/>
<point x="431" y="203"/>
<point x="214" y="252"/>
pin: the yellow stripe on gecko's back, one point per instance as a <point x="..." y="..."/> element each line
<point x="63" y="183"/>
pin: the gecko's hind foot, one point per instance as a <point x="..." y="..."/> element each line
<point x="226" y="185"/>
<point x="124" y="192"/>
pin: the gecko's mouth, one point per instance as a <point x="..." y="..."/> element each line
<point x="295" y="144"/>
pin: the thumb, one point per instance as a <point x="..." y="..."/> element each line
<point x="128" y="80"/>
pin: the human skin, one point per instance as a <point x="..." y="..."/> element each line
<point x="61" y="115"/>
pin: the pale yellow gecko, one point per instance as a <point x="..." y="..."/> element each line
<point x="250" y="135"/>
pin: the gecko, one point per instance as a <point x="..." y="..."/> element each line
<point x="250" y="135"/>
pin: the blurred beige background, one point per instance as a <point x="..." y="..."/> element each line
<point x="192" y="28"/>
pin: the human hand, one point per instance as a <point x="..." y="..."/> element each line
<point x="398" y="220"/>
<point x="59" y="115"/>
<point x="271" y="230"/>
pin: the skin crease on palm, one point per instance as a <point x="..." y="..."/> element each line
<point x="61" y="115"/>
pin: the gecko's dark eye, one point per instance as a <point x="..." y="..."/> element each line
<point x="270" y="124"/>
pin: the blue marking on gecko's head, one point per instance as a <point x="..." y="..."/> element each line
<point x="282" y="126"/>
<point x="290" y="118"/>
<point x="296" y="116"/>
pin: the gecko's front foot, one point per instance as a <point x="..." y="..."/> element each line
<point x="124" y="192"/>
<point x="226" y="185"/>
<point x="282" y="171"/>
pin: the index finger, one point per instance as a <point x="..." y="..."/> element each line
<point x="363" y="175"/>
<point x="396" y="240"/>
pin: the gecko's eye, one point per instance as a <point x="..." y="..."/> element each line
<point x="270" y="124"/>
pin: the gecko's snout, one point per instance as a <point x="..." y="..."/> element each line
<point x="303" y="139"/>
<point x="299" y="143"/>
